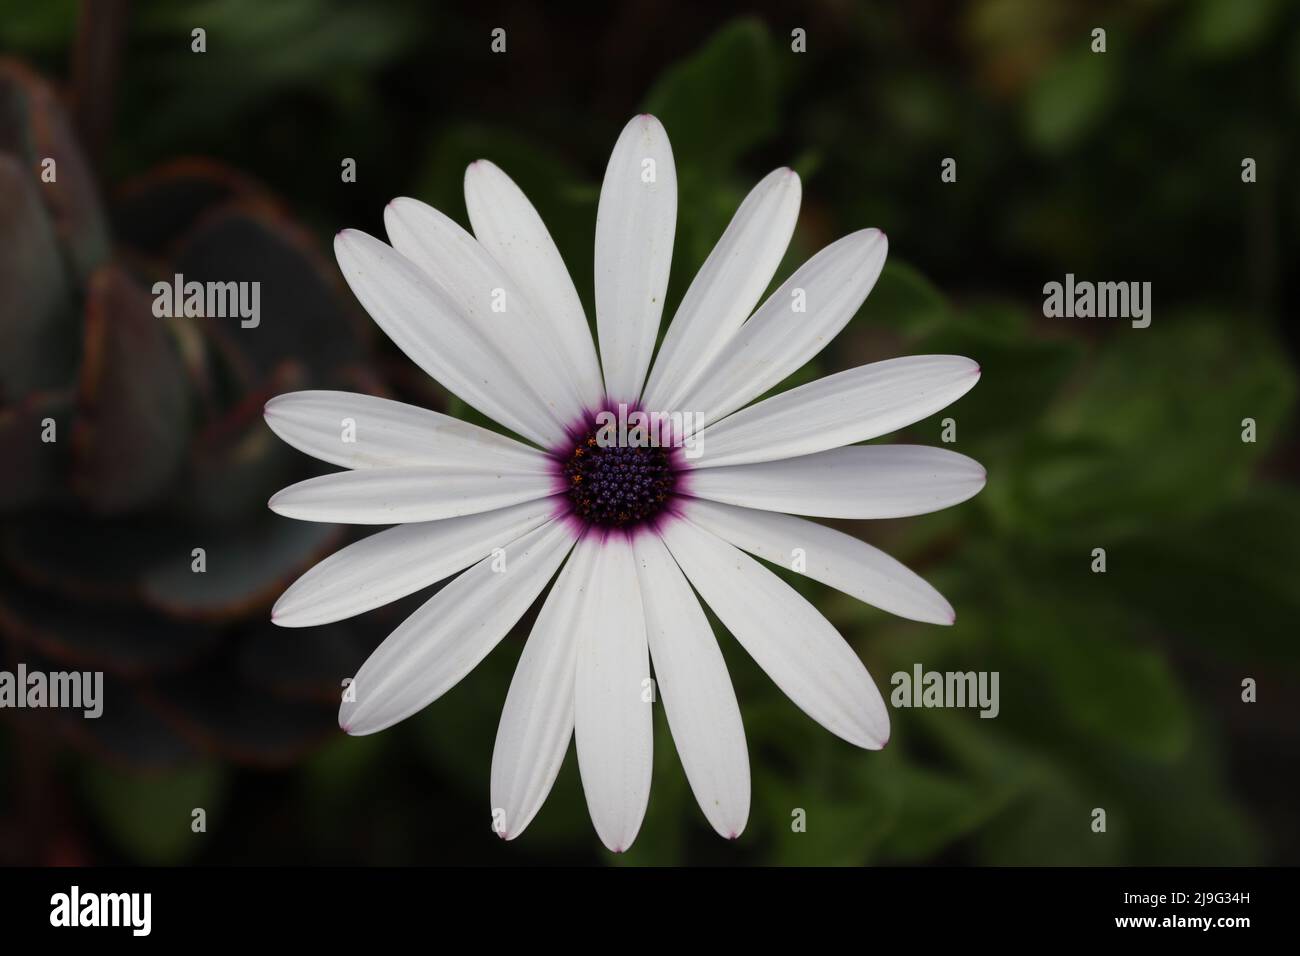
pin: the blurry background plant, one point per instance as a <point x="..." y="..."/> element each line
<point x="1119" y="690"/>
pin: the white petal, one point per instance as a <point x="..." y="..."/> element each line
<point x="361" y="431"/>
<point x="445" y="639"/>
<point x="392" y="564"/>
<point x="829" y="556"/>
<point x="427" y="324"/>
<point x="508" y="226"/>
<point x="490" y="300"/>
<point x="635" y="223"/>
<point x="787" y="637"/>
<point x="696" y="690"/>
<point x="853" y="406"/>
<point x="726" y="288"/>
<point x="860" y="481"/>
<point x="537" y="720"/>
<point x="401" y="495"/>
<point x="612" y="704"/>
<point x="777" y="339"/>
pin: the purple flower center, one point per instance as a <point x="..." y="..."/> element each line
<point x="617" y="486"/>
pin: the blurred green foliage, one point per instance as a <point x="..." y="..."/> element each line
<point x="1119" y="690"/>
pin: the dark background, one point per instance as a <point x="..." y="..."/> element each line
<point x="1119" y="690"/>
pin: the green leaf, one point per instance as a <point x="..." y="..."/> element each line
<point x="722" y="101"/>
<point x="814" y="822"/>
<point x="37" y="27"/>
<point x="1071" y="98"/>
<point x="1052" y="826"/>
<point x="343" y="767"/>
<point x="1020" y="376"/>
<point x="1045" y="820"/>
<point x="248" y="60"/>
<point x="816" y="800"/>
<point x="1218" y="30"/>
<point x="938" y="809"/>
<point x="1084" y="662"/>
<point x="1153" y="435"/>
<point x="150" y="815"/>
<point x="1117" y="691"/>
<point x="1185" y="814"/>
<point x="905" y="301"/>
<point x="1227" y="583"/>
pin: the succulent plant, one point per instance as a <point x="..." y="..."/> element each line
<point x="132" y="440"/>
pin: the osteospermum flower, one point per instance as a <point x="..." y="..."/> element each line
<point x="634" y="529"/>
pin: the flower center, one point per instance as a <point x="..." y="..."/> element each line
<point x="615" y="485"/>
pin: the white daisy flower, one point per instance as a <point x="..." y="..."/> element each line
<point x="634" y="529"/>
